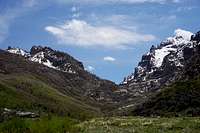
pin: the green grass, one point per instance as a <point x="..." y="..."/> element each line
<point x="179" y="99"/>
<point x="26" y="92"/>
<point x="56" y="124"/>
<point x="51" y="124"/>
<point x="141" y="125"/>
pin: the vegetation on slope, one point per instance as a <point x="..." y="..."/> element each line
<point x="26" y="93"/>
<point x="181" y="98"/>
<point x="81" y="86"/>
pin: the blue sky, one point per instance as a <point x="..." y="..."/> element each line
<point x="108" y="36"/>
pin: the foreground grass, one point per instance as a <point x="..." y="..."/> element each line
<point x="43" y="125"/>
<point x="102" y="125"/>
<point x="141" y="125"/>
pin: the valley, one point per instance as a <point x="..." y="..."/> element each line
<point x="55" y="93"/>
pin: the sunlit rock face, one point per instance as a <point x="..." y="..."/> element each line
<point x="163" y="64"/>
<point x="50" y="58"/>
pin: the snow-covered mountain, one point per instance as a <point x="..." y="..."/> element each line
<point x="18" y="51"/>
<point x="50" y="58"/>
<point x="162" y="64"/>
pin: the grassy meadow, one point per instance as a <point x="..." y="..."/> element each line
<point x="53" y="124"/>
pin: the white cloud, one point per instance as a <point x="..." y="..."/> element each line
<point x="80" y="33"/>
<point x="29" y="3"/>
<point x="176" y="1"/>
<point x="6" y="20"/>
<point x="168" y="18"/>
<point x="7" y="17"/>
<point x="109" y="59"/>
<point x="75" y="12"/>
<point x="74" y="9"/>
<point x="186" y="8"/>
<point x="4" y="26"/>
<point x="118" y="20"/>
<point x="118" y="1"/>
<point x="76" y="15"/>
<point x="90" y="68"/>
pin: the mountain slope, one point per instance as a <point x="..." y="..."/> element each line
<point x="26" y="93"/>
<point x="59" y="88"/>
<point x="183" y="96"/>
<point x="161" y="65"/>
<point x="174" y="60"/>
<point x="66" y="73"/>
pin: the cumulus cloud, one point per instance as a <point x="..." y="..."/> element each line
<point x="109" y="59"/>
<point x="83" y="34"/>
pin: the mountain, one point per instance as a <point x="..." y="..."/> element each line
<point x="50" y="58"/>
<point x="183" y="96"/>
<point x="168" y="78"/>
<point x="162" y="65"/>
<point x="46" y="80"/>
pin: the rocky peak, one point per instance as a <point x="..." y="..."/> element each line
<point x="18" y="51"/>
<point x="36" y="49"/>
<point x="62" y="71"/>
<point x="58" y="59"/>
<point x="50" y="58"/>
<point x="186" y="35"/>
<point x="162" y="63"/>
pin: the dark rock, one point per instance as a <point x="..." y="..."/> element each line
<point x="59" y="59"/>
<point x="196" y="37"/>
<point x="188" y="52"/>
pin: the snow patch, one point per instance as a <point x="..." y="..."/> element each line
<point x="18" y="51"/>
<point x="160" y="55"/>
<point x="183" y="33"/>
<point x="40" y="58"/>
<point x="172" y="45"/>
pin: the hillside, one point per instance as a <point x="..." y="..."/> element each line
<point x="182" y="96"/>
<point x="46" y="87"/>
<point x="47" y="80"/>
<point x="28" y="83"/>
<point x="180" y="99"/>
<point x="162" y="65"/>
